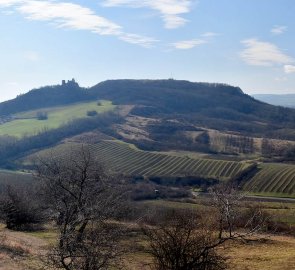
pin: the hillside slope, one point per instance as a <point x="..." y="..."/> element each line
<point x="176" y="105"/>
<point x="45" y="97"/>
<point x="173" y="96"/>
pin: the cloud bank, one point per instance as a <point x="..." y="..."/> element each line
<point x="171" y="11"/>
<point x="73" y="16"/>
<point x="259" y="53"/>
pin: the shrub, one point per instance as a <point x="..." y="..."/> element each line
<point x="42" y="115"/>
<point x="20" y="209"/>
<point x="91" y="113"/>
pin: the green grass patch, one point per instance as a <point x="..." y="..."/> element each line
<point x="27" y="123"/>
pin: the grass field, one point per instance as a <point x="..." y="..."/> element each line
<point x="275" y="253"/>
<point x="27" y="123"/>
<point x="273" y="179"/>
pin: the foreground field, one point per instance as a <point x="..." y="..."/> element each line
<point x="23" y="250"/>
<point x="27" y="123"/>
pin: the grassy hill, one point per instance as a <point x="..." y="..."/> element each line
<point x="216" y="106"/>
<point x="48" y="96"/>
<point x="27" y="123"/>
<point x="159" y="116"/>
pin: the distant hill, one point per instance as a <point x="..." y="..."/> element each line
<point x="287" y="100"/>
<point x="188" y="104"/>
<point x="48" y="96"/>
<point x="216" y="106"/>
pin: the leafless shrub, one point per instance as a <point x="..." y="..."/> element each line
<point x="84" y="199"/>
<point x="187" y="240"/>
<point x="183" y="240"/>
<point x="20" y="208"/>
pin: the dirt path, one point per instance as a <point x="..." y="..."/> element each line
<point x="20" y="250"/>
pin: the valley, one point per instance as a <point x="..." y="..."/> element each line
<point x="169" y="144"/>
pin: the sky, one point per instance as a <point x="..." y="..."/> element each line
<point x="245" y="43"/>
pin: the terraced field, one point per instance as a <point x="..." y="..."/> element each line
<point x="273" y="180"/>
<point x="127" y="159"/>
<point x="123" y="158"/>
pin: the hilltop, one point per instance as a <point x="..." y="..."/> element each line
<point x="201" y="103"/>
<point x="161" y="115"/>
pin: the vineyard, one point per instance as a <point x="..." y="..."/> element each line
<point x="273" y="180"/>
<point x="124" y="159"/>
<point x="270" y="180"/>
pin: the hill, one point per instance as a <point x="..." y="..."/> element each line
<point x="28" y="123"/>
<point x="287" y="100"/>
<point x="48" y="96"/>
<point x="164" y="115"/>
<point x="198" y="131"/>
<point x="214" y="106"/>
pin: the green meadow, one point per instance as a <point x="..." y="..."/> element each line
<point x="27" y="123"/>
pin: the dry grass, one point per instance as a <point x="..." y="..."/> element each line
<point x="24" y="252"/>
<point x="277" y="253"/>
<point x="20" y="251"/>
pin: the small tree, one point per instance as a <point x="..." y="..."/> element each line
<point x="42" y="115"/>
<point x="184" y="241"/>
<point x="85" y="200"/>
<point x="20" y="209"/>
<point x="91" y="113"/>
<point x="187" y="241"/>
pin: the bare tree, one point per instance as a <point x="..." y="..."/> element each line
<point x="182" y="240"/>
<point x="232" y="223"/>
<point x="84" y="199"/>
<point x="187" y="241"/>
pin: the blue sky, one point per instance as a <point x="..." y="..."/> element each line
<point x="246" y="43"/>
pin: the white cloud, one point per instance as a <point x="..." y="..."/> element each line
<point x="7" y="3"/>
<point x="137" y="39"/>
<point x="188" y="44"/>
<point x="289" y="69"/>
<point x="169" y="10"/>
<point x="73" y="16"/>
<point x="278" y="29"/>
<point x="210" y="34"/>
<point x="68" y="15"/>
<point x="259" y="53"/>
